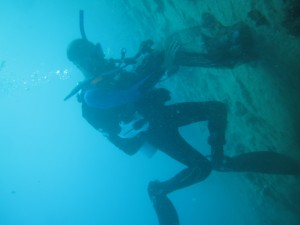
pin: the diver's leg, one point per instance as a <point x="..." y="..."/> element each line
<point x="163" y="207"/>
<point x="198" y="168"/>
<point x="263" y="162"/>
<point x="190" y="112"/>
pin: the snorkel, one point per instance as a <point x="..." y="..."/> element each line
<point x="81" y="24"/>
<point x="82" y="31"/>
<point x="78" y="47"/>
<point x="100" y="54"/>
<point x="81" y="84"/>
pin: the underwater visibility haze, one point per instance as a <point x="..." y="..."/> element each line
<point x="56" y="169"/>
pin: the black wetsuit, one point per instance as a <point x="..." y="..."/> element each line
<point x="162" y="133"/>
<point x="164" y="122"/>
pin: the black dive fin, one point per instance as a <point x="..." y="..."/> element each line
<point x="262" y="162"/>
<point x="165" y="211"/>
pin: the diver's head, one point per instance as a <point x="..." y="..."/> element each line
<point x="88" y="57"/>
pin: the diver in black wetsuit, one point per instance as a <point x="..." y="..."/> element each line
<point x="127" y="108"/>
<point x="107" y="103"/>
<point x="211" y="44"/>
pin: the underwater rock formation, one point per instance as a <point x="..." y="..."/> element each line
<point x="292" y="17"/>
<point x="262" y="96"/>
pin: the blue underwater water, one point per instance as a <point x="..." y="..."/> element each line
<point x="55" y="169"/>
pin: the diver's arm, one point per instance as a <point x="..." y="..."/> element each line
<point x="107" y="122"/>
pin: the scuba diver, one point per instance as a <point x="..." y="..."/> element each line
<point x="214" y="45"/>
<point x="126" y="107"/>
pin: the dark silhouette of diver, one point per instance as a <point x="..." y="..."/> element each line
<point x="131" y="112"/>
<point x="211" y="44"/>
